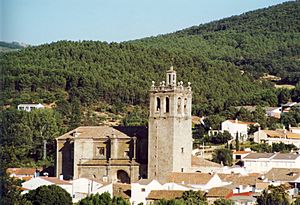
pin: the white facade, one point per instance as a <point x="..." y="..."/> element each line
<point x="78" y="189"/>
<point x="34" y="183"/>
<point x="82" y="187"/>
<point x="263" y="164"/>
<point x="277" y="136"/>
<point x="235" y="127"/>
<point x="29" y="107"/>
<point x="139" y="191"/>
<point x="274" y="112"/>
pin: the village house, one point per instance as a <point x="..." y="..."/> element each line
<point x="290" y="176"/>
<point x="273" y="112"/>
<point x="36" y="182"/>
<point x="23" y="173"/>
<point x="30" y="107"/>
<point x="263" y="162"/>
<point x="278" y="136"/>
<point x="236" y="127"/>
<point x="240" y="154"/>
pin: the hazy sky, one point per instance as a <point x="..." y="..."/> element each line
<point x="44" y="21"/>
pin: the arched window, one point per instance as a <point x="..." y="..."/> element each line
<point x="123" y="177"/>
<point x="185" y="105"/>
<point x="157" y="104"/>
<point x="167" y="104"/>
<point x="179" y="105"/>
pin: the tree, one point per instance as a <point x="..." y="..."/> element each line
<point x="223" y="156"/>
<point x="49" y="195"/>
<point x="10" y="193"/>
<point x="103" y="199"/>
<point x="237" y="142"/>
<point x="221" y="138"/>
<point x="223" y="202"/>
<point x="193" y="197"/>
<point x="274" y="195"/>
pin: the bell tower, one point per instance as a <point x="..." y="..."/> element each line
<point x="170" y="127"/>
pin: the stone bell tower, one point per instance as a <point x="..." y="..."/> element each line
<point x="170" y="127"/>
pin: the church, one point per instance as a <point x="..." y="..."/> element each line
<point x="127" y="154"/>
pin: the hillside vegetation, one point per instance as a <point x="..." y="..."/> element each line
<point x="223" y="60"/>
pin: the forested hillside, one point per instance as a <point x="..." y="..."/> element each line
<point x="223" y="60"/>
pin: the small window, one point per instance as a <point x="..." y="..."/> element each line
<point x="185" y="105"/>
<point x="181" y="169"/>
<point x="101" y="151"/>
<point x="143" y="189"/>
<point x="179" y="105"/>
<point x="182" y="150"/>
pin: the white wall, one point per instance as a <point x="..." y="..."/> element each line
<point x="233" y="128"/>
<point x="34" y="183"/>
<point x="138" y="195"/>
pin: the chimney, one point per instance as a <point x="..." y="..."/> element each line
<point x="236" y="120"/>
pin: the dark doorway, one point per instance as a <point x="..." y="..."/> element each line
<point x="123" y="177"/>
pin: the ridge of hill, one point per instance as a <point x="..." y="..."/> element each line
<point x="6" y="46"/>
<point x="223" y="65"/>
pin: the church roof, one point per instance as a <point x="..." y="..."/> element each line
<point x="94" y="132"/>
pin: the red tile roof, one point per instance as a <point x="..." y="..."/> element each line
<point x="241" y="122"/>
<point x="21" y="171"/>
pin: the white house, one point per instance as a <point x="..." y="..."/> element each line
<point x="277" y="136"/>
<point x="141" y="189"/>
<point x="235" y="127"/>
<point x="82" y="187"/>
<point x="22" y="173"/>
<point x="263" y="162"/>
<point x="199" y="181"/>
<point x="273" y="112"/>
<point x="29" y="107"/>
<point x="295" y="130"/>
<point x="36" y="182"/>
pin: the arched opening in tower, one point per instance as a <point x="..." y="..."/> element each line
<point x="167" y="104"/>
<point x="157" y="104"/>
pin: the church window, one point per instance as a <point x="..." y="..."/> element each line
<point x="181" y="169"/>
<point x="101" y="151"/>
<point x="157" y="104"/>
<point x="185" y="105"/>
<point x="179" y="105"/>
<point x="182" y="150"/>
<point x="167" y="104"/>
<point x="170" y="79"/>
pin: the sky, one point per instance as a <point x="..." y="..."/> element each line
<point x="37" y="22"/>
